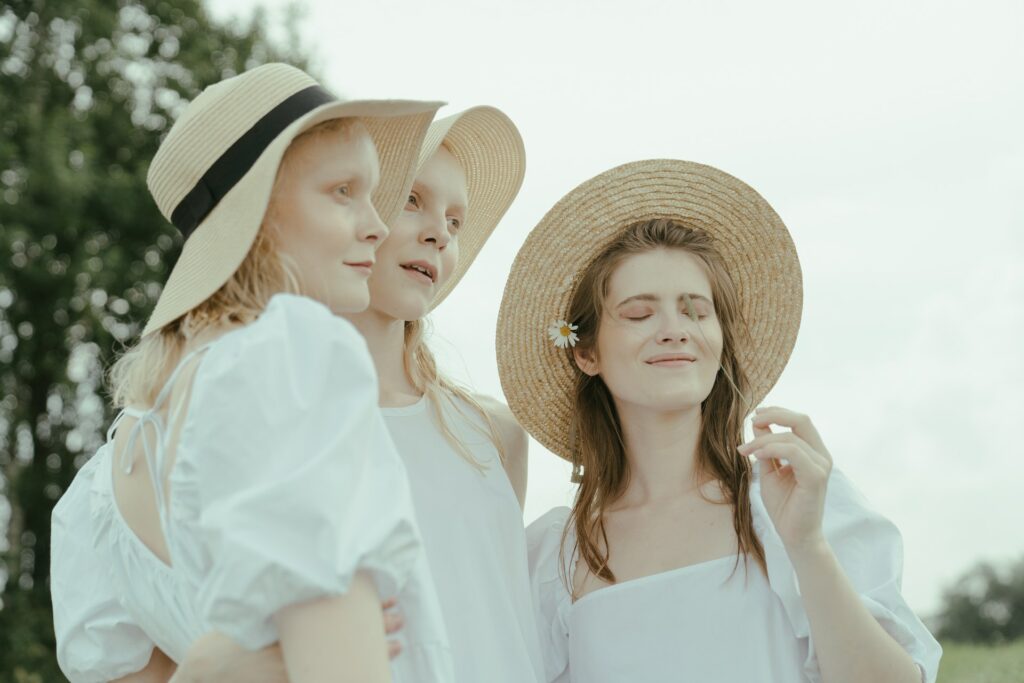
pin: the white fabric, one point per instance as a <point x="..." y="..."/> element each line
<point x="705" y="623"/>
<point x="473" y="533"/>
<point x="285" y="483"/>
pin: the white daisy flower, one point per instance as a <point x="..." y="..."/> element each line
<point x="563" y="334"/>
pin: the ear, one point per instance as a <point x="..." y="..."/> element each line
<point x="586" y="360"/>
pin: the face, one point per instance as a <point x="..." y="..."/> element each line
<point x="422" y="250"/>
<point x="650" y="353"/>
<point x="328" y="228"/>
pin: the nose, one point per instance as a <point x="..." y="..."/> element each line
<point x="673" y="332"/>
<point x="373" y="228"/>
<point x="435" y="232"/>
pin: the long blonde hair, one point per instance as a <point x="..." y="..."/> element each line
<point x="599" y="445"/>
<point x="421" y="367"/>
<point x="141" y="371"/>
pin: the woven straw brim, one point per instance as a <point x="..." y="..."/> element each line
<point x="490" y="150"/>
<point x="216" y="249"/>
<point x="539" y="379"/>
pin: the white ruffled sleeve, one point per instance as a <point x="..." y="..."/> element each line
<point x="870" y="550"/>
<point x="299" y="483"/>
<point x="97" y="640"/>
<point x="551" y="599"/>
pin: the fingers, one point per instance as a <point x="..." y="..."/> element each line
<point x="393" y="622"/>
<point x="809" y="467"/>
<point x="389" y="603"/>
<point x="394" y="649"/>
<point x="800" y="424"/>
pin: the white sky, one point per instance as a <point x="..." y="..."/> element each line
<point x="887" y="135"/>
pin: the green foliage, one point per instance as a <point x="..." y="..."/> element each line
<point x="985" y="606"/>
<point x="86" y="90"/>
<point x="982" y="663"/>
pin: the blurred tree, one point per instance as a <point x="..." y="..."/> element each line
<point x="87" y="87"/>
<point x="986" y="605"/>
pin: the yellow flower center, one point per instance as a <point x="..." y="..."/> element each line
<point x="564" y="330"/>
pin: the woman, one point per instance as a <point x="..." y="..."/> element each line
<point x="689" y="555"/>
<point x="465" y="455"/>
<point x="250" y="422"/>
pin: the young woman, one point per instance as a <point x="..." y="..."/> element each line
<point x="644" y="318"/>
<point x="249" y="486"/>
<point x="465" y="455"/>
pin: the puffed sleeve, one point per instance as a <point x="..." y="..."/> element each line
<point x="551" y="598"/>
<point x="300" y="486"/>
<point x="97" y="640"/>
<point x="870" y="550"/>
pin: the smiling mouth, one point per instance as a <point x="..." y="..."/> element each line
<point x="672" y="361"/>
<point x="423" y="269"/>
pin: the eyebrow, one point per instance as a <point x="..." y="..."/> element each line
<point x="654" y="297"/>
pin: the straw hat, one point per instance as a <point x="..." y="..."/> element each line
<point x="214" y="172"/>
<point x="539" y="379"/>
<point x="490" y="150"/>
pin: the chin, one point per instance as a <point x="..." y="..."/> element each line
<point x="407" y="308"/>
<point x="351" y="302"/>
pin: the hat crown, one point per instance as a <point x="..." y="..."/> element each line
<point x="214" y="121"/>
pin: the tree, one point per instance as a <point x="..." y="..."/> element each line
<point x="86" y="90"/>
<point x="985" y="606"/>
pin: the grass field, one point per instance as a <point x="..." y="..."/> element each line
<point x="979" y="664"/>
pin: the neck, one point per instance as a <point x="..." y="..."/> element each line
<point x="385" y="336"/>
<point x="661" y="449"/>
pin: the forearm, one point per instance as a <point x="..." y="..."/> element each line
<point x="851" y="645"/>
<point x="159" y="670"/>
<point x="339" y="639"/>
<point x="215" y="658"/>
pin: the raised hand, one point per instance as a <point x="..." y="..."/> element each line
<point x="793" y="491"/>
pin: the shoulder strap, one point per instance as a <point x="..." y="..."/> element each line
<point x="152" y="430"/>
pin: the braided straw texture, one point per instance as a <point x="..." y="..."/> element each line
<point x="539" y="379"/>
<point x="490" y="150"/>
<point x="212" y="122"/>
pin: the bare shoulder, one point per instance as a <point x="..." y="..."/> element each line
<point x="514" y="441"/>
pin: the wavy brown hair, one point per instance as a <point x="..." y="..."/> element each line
<point x="598" y="445"/>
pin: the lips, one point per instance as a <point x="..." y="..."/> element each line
<point x="671" y="360"/>
<point x="426" y="270"/>
<point x="365" y="267"/>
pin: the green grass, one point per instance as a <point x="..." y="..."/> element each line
<point x="982" y="664"/>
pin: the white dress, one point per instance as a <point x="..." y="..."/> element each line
<point x="285" y="484"/>
<point x="472" y="527"/>
<point x="707" y="622"/>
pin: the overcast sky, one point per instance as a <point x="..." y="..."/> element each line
<point x="887" y="135"/>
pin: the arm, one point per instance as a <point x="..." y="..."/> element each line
<point x="159" y="670"/>
<point x="335" y="639"/>
<point x="215" y="658"/>
<point x="851" y="645"/>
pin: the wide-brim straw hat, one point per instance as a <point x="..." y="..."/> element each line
<point x="213" y="174"/>
<point x="539" y="379"/>
<point x="490" y="150"/>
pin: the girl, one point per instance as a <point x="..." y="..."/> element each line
<point x="644" y="317"/>
<point x="249" y="485"/>
<point x="465" y="455"/>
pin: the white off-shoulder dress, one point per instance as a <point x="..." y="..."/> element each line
<point x="719" y="620"/>
<point x="285" y="483"/>
<point x="474" y="538"/>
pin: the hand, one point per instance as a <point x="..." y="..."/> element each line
<point x="393" y="623"/>
<point x="793" y="493"/>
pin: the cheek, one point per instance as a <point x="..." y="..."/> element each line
<point x="449" y="260"/>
